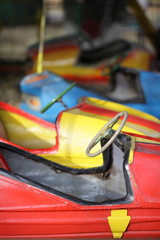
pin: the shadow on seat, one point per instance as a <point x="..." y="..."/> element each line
<point x="109" y="186"/>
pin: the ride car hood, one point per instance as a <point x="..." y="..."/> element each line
<point x="145" y="170"/>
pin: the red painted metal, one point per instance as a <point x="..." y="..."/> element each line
<point x="26" y="211"/>
<point x="29" y="212"/>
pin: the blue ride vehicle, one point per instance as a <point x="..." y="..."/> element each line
<point x="39" y="89"/>
<point x="136" y="89"/>
<point x="133" y="88"/>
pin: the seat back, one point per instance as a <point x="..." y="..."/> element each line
<point x="100" y="53"/>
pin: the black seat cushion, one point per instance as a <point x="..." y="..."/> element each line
<point x="96" y="54"/>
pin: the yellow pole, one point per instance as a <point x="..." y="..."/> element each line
<point x="41" y="39"/>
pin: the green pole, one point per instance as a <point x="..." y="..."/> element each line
<point x="57" y="98"/>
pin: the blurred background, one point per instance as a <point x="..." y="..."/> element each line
<point x="98" y="21"/>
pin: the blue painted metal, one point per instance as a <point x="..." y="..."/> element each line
<point x="52" y="85"/>
<point x="49" y="88"/>
<point x="150" y="85"/>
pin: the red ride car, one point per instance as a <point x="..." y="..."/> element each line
<point x="118" y="199"/>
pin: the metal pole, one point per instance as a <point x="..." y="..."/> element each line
<point x="41" y="38"/>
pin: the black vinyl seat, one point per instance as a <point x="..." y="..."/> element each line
<point x="96" y="54"/>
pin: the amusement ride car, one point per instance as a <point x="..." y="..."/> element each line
<point x="65" y="180"/>
<point x="88" y="63"/>
<point x="137" y="89"/>
<point x="109" y="193"/>
<point x="73" y="129"/>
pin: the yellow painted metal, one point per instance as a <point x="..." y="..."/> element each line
<point x="61" y="57"/>
<point x="25" y="132"/>
<point x="119" y="107"/>
<point x="64" y="62"/>
<point x="143" y="140"/>
<point x="69" y="69"/>
<point x="131" y="127"/>
<point x="139" y="60"/>
<point x="75" y="133"/>
<point x="131" y="153"/>
<point x="76" y="129"/>
<point x="118" y="222"/>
